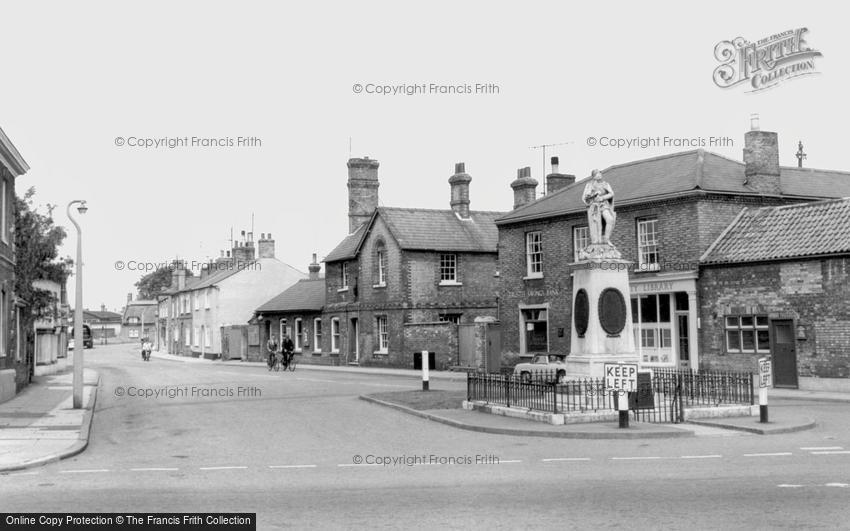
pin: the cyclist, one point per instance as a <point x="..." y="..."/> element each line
<point x="288" y="349"/>
<point x="271" y="347"/>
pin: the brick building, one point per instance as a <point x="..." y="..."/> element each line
<point x="777" y="283"/>
<point x="670" y="209"/>
<point x="403" y="278"/>
<point x="297" y="313"/>
<point x="16" y="357"/>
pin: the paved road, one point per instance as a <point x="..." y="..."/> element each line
<point x="288" y="446"/>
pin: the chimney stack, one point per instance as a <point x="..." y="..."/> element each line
<point x="556" y="180"/>
<point x="761" y="159"/>
<point x="103" y="307"/>
<point x="178" y="275"/>
<point x="265" y="247"/>
<point x="459" y="183"/>
<point x="243" y="252"/>
<point x="129" y="298"/>
<point x="314" y="269"/>
<point x="525" y="187"/>
<point x="362" y="191"/>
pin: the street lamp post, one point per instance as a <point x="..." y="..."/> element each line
<point x="79" y="343"/>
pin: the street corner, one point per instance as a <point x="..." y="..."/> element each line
<point x="752" y="424"/>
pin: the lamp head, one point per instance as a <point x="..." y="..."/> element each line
<point x="82" y="209"/>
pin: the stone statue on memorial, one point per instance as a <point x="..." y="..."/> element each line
<point x="598" y="196"/>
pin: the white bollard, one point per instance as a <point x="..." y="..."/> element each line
<point x="425" y="369"/>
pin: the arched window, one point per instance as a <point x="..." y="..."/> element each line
<point x="380" y="263"/>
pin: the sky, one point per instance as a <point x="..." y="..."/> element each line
<point x="85" y="80"/>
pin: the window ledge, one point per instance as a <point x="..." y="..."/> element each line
<point x="384" y="285"/>
<point x="533" y="277"/>
<point x="342" y="290"/>
<point x="450" y="283"/>
<point x="381" y="353"/>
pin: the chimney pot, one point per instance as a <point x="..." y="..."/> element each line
<point x="525" y="187"/>
<point x="314" y="269"/>
<point x="265" y="247"/>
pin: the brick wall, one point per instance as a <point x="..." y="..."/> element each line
<point x="815" y="293"/>
<point x="686" y="228"/>
<point x="440" y="338"/>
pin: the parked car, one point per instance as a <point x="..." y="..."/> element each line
<point x="88" y="342"/>
<point x="543" y="366"/>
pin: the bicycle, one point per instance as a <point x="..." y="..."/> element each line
<point x="291" y="363"/>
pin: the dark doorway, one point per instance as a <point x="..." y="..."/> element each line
<point x="354" y="343"/>
<point x="783" y="348"/>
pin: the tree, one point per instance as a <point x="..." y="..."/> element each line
<point x="154" y="282"/>
<point x="37" y="242"/>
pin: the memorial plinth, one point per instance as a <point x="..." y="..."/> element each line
<point x="602" y="317"/>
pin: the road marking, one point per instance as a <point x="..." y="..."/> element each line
<point x="714" y="456"/>
<point x="359" y="464"/>
<point x="223" y="467"/>
<point x="842" y="485"/>
<point x="292" y="466"/>
<point x="23" y="474"/>
<point x="83" y="471"/>
<point x="638" y="458"/>
<point x="553" y="459"/>
<point x="152" y="469"/>
<point x="776" y="454"/>
<point x="831" y="452"/>
<point x="503" y="461"/>
<point x="822" y="448"/>
<point x="789" y="486"/>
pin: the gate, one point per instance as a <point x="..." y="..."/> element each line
<point x="466" y="345"/>
<point x="493" y="345"/>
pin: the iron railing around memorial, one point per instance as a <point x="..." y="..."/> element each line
<point x="661" y="396"/>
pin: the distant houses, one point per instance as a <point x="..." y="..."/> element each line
<point x="207" y="315"/>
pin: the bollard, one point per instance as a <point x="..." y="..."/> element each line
<point x="425" y="369"/>
<point x="623" y="408"/>
<point x="763" y="404"/>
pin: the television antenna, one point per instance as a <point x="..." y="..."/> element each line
<point x="543" y="147"/>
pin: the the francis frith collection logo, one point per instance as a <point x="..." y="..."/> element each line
<point x="765" y="63"/>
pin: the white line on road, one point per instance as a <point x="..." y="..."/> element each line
<point x="153" y="469"/>
<point x="292" y="466"/>
<point x="786" y="486"/>
<point x="713" y="456"/>
<point x="831" y="452"/>
<point x="552" y="459"/>
<point x="23" y="474"/>
<point x="842" y="485"/>
<point x="821" y="448"/>
<point x="223" y="467"/>
<point x="359" y="464"/>
<point x="776" y="454"/>
<point x="83" y="471"/>
<point x="638" y="458"/>
<point x="504" y="461"/>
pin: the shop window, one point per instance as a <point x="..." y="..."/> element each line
<point x="535" y="325"/>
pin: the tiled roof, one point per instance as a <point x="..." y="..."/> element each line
<point x="420" y="229"/>
<point x="442" y="230"/>
<point x="139" y="308"/>
<point x="347" y="248"/>
<point x="101" y="316"/>
<point x="304" y="295"/>
<point x="681" y="173"/>
<point x="792" y="231"/>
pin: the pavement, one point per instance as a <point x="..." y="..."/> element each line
<point x="40" y="425"/>
<point x="434" y="375"/>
